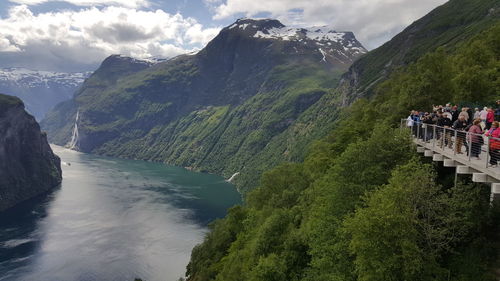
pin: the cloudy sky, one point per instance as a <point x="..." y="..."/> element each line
<point x="76" y="35"/>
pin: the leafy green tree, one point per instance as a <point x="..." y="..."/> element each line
<point x="363" y="166"/>
<point x="477" y="67"/>
<point x="205" y="258"/>
<point x="411" y="224"/>
<point x="389" y="242"/>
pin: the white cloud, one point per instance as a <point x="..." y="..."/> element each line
<point x="372" y="21"/>
<point x="123" y="3"/>
<point x="7" y="46"/>
<point x="85" y="37"/>
<point x="196" y="33"/>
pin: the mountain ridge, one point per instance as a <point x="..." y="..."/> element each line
<point x="446" y="25"/>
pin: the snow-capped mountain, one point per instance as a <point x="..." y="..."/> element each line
<point x="35" y="78"/>
<point x="40" y="90"/>
<point x="330" y="44"/>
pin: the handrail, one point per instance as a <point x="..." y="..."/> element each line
<point x="454" y="142"/>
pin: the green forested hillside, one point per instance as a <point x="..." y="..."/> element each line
<point x="242" y="104"/>
<point x="363" y="205"/>
<point x="233" y="138"/>
<point x="446" y="26"/>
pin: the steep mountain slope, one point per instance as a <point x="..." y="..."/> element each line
<point x="218" y="110"/>
<point x="40" y="90"/>
<point x="27" y="165"/>
<point x="445" y="26"/>
<point x="363" y="205"/>
<point x="60" y="121"/>
<point x="448" y="26"/>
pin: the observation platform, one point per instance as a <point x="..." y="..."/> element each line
<point x="440" y="144"/>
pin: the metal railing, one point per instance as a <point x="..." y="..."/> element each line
<point x="474" y="148"/>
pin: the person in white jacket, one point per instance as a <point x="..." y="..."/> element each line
<point x="409" y="120"/>
<point x="477" y="114"/>
<point x="483" y="115"/>
<point x="447" y="114"/>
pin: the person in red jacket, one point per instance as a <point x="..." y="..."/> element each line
<point x="490" y="117"/>
<point x="494" y="140"/>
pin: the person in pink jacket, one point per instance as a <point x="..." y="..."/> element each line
<point x="494" y="140"/>
<point x="475" y="138"/>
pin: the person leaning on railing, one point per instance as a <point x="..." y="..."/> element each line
<point x="460" y="125"/>
<point x="409" y="120"/>
<point x="475" y="138"/>
<point x="454" y="113"/>
<point x="412" y="123"/>
<point x="444" y="135"/>
<point x="464" y="113"/>
<point x="494" y="140"/>
<point x="428" y="120"/>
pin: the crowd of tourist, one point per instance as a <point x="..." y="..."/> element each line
<point x="458" y="127"/>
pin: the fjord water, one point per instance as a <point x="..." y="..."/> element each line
<point x="112" y="219"/>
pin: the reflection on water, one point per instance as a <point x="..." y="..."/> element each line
<point x="111" y="219"/>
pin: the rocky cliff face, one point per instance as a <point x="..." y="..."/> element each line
<point x="28" y="167"/>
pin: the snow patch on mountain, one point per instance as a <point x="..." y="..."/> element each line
<point x="323" y="54"/>
<point x="244" y="26"/>
<point x="322" y="36"/>
<point x="324" y="33"/>
<point x="36" y="78"/>
<point x="326" y="39"/>
<point x="286" y="33"/>
<point x="147" y="61"/>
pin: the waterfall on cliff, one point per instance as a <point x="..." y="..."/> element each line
<point x="232" y="177"/>
<point x="74" y="137"/>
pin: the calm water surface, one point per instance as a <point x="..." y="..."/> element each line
<point x="112" y="219"/>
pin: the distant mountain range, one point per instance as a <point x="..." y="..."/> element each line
<point x="40" y="90"/>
